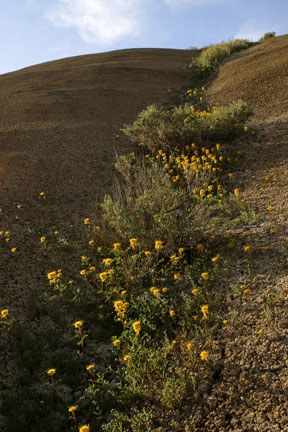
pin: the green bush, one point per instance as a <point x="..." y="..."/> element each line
<point x="159" y="128"/>
<point x="212" y="56"/>
<point x="150" y="207"/>
<point x="267" y="35"/>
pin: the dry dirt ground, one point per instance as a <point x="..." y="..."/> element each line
<point x="58" y="127"/>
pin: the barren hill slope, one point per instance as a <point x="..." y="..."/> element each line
<point x="58" y="120"/>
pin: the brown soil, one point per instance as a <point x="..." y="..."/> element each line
<point x="58" y="129"/>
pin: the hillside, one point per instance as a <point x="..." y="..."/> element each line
<point x="58" y="136"/>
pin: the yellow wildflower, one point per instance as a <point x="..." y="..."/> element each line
<point x="107" y="261"/>
<point x="4" y="313"/>
<point x="99" y="249"/>
<point x="103" y="276"/>
<point x="42" y="194"/>
<point x="86" y="221"/>
<point x="133" y="243"/>
<point x="176" y="276"/>
<point x="78" y="324"/>
<point x="164" y="290"/>
<point x="56" y="233"/>
<point x="270" y="208"/>
<point x="181" y="251"/>
<point x="51" y="372"/>
<point x="156" y="293"/>
<point x="127" y="357"/>
<point x="225" y="321"/>
<point x="137" y="327"/>
<point x="147" y="253"/>
<point x="216" y="258"/>
<point x="172" y="313"/>
<point x="72" y="408"/>
<point x="189" y="346"/>
<point x="111" y="272"/>
<point x="205" y="276"/>
<point x="116" y="342"/>
<point x="236" y="192"/>
<point x="84" y="428"/>
<point x="91" y="242"/>
<point x="204" y="355"/>
<point x="158" y="244"/>
<point x="194" y="291"/>
<point x="82" y="272"/>
<point x="247" y="249"/>
<point x="43" y="239"/>
<point x="90" y="367"/>
<point x="205" y="310"/>
<point x="13" y="250"/>
<point x="116" y="246"/>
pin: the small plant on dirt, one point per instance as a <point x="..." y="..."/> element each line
<point x="267" y="35"/>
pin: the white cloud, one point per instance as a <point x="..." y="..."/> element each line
<point x="181" y="3"/>
<point x="100" y="21"/>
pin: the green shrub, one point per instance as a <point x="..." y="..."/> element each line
<point x="150" y="207"/>
<point x="267" y="35"/>
<point x="159" y="128"/>
<point x="212" y="56"/>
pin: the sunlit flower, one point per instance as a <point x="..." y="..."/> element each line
<point x="90" y="367"/>
<point x="103" y="276"/>
<point x="204" y="355"/>
<point x="91" y="242"/>
<point x="181" y="251"/>
<point x="164" y="290"/>
<point x="156" y="292"/>
<point x="13" y="250"/>
<point x="189" y="346"/>
<point x="172" y="313"/>
<point x="236" y="192"/>
<point x="78" y="324"/>
<point x="216" y="258"/>
<point x="247" y="249"/>
<point x="107" y="261"/>
<point x="195" y="291"/>
<point x="42" y="194"/>
<point x="176" y="276"/>
<point x="116" y="342"/>
<point x="147" y="254"/>
<point x="86" y="221"/>
<point x="84" y="428"/>
<point x="205" y="311"/>
<point x="43" y="239"/>
<point x="51" y="372"/>
<point x="4" y="313"/>
<point x="205" y="275"/>
<point x="225" y="321"/>
<point x="127" y="357"/>
<point x="116" y="246"/>
<point x="270" y="208"/>
<point x="158" y="244"/>
<point x="137" y="327"/>
<point x="72" y="408"/>
<point x="133" y="243"/>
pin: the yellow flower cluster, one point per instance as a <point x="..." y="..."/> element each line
<point x="54" y="276"/>
<point x="120" y="308"/>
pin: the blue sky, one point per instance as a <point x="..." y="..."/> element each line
<point x="36" y="31"/>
